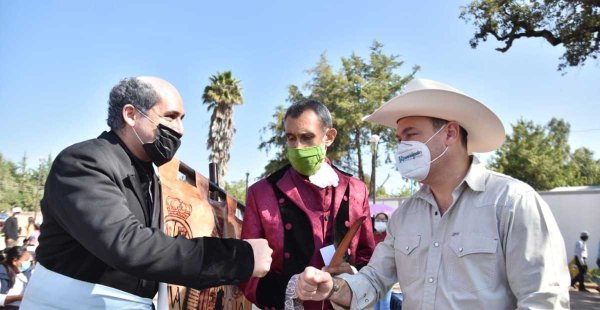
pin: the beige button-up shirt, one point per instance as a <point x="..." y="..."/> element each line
<point x="497" y="247"/>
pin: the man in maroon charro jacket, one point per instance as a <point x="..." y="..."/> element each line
<point x="304" y="207"/>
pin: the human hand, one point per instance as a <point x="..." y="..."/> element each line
<point x="314" y="284"/>
<point x="262" y="256"/>
<point x="342" y="268"/>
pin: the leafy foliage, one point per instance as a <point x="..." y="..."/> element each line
<point x="220" y="95"/>
<point x="21" y="186"/>
<point x="585" y="170"/>
<point x="540" y="156"/>
<point x="357" y="89"/>
<point x="573" y="23"/>
<point x="237" y="189"/>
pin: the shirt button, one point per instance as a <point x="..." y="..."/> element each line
<point x="436" y="244"/>
<point x="406" y="248"/>
<point x="430" y="280"/>
<point x="460" y="249"/>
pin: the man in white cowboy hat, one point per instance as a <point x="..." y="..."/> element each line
<point x="470" y="238"/>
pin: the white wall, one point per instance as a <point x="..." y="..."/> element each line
<point x="576" y="211"/>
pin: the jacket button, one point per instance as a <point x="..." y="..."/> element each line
<point x="288" y="226"/>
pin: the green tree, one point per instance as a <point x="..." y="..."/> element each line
<point x="237" y="189"/>
<point x="223" y="92"/>
<point x="9" y="194"/>
<point x="357" y="89"/>
<point x="573" y="23"/>
<point x="585" y="170"/>
<point x="22" y="186"/>
<point x="276" y="141"/>
<point x="540" y="156"/>
<point x="38" y="180"/>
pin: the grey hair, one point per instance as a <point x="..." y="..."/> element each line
<point x="129" y="91"/>
<point x="296" y="109"/>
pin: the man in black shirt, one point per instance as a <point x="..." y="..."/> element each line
<point x="101" y="241"/>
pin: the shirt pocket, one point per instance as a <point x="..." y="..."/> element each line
<point x="407" y="261"/>
<point x="470" y="263"/>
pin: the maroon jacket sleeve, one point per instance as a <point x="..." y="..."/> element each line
<point x="366" y="243"/>
<point x="251" y="228"/>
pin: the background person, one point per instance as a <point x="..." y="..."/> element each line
<point x="14" y="273"/>
<point x="380" y="222"/>
<point x="11" y="228"/>
<point x="581" y="256"/>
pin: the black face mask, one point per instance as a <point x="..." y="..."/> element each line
<point x="164" y="147"/>
<point x="584" y="238"/>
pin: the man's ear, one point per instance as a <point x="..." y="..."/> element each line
<point x="452" y="133"/>
<point x="129" y="115"/>
<point x="330" y="135"/>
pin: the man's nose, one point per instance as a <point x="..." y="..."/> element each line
<point x="297" y="144"/>
<point x="178" y="126"/>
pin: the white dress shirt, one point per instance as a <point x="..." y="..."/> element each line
<point x="17" y="289"/>
<point x="581" y="251"/>
<point x="497" y="247"/>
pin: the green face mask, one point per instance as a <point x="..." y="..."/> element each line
<point x="306" y="160"/>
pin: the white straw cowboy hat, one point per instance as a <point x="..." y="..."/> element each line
<point x="423" y="97"/>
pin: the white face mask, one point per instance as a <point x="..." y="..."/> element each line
<point x="380" y="226"/>
<point x="413" y="158"/>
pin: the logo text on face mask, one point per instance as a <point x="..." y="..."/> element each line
<point x="412" y="155"/>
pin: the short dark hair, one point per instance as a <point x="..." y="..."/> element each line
<point x="129" y="91"/>
<point x="438" y="123"/>
<point x="296" y="109"/>
<point x="12" y="254"/>
<point x="384" y="214"/>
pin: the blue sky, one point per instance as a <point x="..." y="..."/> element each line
<point x="59" y="59"/>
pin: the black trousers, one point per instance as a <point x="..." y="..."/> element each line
<point x="580" y="275"/>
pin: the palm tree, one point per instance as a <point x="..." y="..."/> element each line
<point x="220" y="95"/>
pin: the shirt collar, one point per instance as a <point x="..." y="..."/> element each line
<point x="475" y="179"/>
<point x="145" y="169"/>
